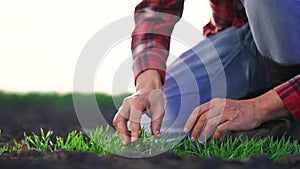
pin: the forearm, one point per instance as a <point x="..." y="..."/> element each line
<point x="270" y="107"/>
<point x="283" y="101"/>
<point x="149" y="79"/>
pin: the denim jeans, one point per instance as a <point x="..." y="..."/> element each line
<point x="235" y="62"/>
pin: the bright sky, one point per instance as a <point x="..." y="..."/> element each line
<point x="41" y="40"/>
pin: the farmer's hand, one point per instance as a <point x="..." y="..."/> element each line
<point x="149" y="98"/>
<point x="222" y="115"/>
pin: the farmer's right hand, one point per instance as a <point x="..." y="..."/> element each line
<point x="148" y="98"/>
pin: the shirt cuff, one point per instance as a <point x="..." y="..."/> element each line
<point x="153" y="61"/>
<point x="289" y="92"/>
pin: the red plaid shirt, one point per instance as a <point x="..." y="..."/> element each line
<point x="289" y="92"/>
<point x="155" y="20"/>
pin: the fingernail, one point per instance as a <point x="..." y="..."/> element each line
<point x="157" y="133"/>
<point x="193" y="139"/>
<point x="185" y="130"/>
<point x="124" y="142"/>
<point x="205" y="138"/>
<point x="134" y="139"/>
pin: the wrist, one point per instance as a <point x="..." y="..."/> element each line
<point x="270" y="107"/>
<point x="149" y="79"/>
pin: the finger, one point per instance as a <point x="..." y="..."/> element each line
<point x="210" y="126"/>
<point x="125" y="108"/>
<point x="135" y="118"/>
<point x="120" y="122"/>
<point x="197" y="112"/>
<point x="156" y="111"/>
<point x="219" y="117"/>
<point x="156" y="122"/>
<point x="224" y="127"/>
<point x="198" y="127"/>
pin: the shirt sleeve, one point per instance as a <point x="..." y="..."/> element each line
<point x="289" y="92"/>
<point x="154" y="23"/>
<point x="225" y="14"/>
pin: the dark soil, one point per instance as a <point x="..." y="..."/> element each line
<point x="19" y="116"/>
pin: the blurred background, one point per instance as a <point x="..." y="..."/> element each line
<point x="40" y="41"/>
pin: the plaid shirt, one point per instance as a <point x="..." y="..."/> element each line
<point x="155" y="20"/>
<point x="289" y="92"/>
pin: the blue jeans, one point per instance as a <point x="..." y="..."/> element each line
<point x="232" y="63"/>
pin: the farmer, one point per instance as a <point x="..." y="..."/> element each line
<point x="245" y="72"/>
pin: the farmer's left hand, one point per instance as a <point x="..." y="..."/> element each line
<point x="222" y="115"/>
